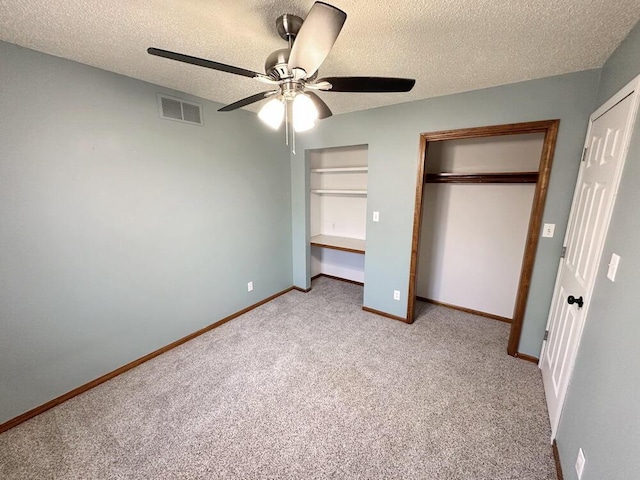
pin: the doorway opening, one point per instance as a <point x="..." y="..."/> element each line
<point x="431" y="173"/>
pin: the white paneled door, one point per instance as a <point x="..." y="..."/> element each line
<point x="590" y="213"/>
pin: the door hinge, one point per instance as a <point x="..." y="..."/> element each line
<point x="546" y="335"/>
<point x="564" y="252"/>
<point x="584" y="154"/>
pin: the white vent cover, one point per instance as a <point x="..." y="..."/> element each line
<point x="176" y="109"/>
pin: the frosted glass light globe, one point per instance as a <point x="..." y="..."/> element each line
<point x="272" y="113"/>
<point x="304" y="113"/>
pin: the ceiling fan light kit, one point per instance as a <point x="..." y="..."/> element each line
<point x="293" y="71"/>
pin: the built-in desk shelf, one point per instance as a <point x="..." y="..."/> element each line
<point x="341" y="170"/>
<point x="345" y="244"/>
<point x="339" y="192"/>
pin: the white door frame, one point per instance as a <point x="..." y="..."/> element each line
<point x="631" y="89"/>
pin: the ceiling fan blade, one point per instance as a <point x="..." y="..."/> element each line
<point x="369" y="84"/>
<point x="201" y="62"/>
<point x="247" y="101"/>
<point x="315" y="39"/>
<point x="323" y="109"/>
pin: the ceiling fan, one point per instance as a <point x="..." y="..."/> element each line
<point x="292" y="72"/>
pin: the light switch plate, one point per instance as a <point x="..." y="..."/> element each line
<point x="376" y="216"/>
<point x="548" y="230"/>
<point x="613" y="267"/>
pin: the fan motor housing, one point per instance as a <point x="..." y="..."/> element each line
<point x="276" y="65"/>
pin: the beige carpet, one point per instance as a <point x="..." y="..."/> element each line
<point x="307" y="386"/>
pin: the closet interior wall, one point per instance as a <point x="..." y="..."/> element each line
<point x="474" y="230"/>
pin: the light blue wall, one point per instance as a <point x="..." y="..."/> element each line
<point x="392" y="134"/>
<point x="121" y="232"/>
<point x="621" y="67"/>
<point x="301" y="254"/>
<point x="602" y="409"/>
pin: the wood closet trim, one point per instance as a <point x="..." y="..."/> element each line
<point x="550" y="130"/>
<point x="490" y="131"/>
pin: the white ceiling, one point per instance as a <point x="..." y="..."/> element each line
<point x="447" y="45"/>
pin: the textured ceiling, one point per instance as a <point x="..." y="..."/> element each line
<point x="447" y="45"/>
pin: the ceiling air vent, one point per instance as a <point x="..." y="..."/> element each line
<point x="175" y="109"/>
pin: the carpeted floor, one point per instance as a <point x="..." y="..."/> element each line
<point x="307" y="386"/>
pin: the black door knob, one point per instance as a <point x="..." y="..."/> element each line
<point x="571" y="300"/>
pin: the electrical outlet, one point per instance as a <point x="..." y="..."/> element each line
<point x="396" y="294"/>
<point x="250" y="287"/>
<point x="580" y="461"/>
<point x="376" y="216"/>
<point x="548" y="230"/>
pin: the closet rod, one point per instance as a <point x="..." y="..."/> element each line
<point x="505" y="177"/>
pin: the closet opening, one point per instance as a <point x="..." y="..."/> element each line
<point x="480" y="198"/>
<point x="338" y="212"/>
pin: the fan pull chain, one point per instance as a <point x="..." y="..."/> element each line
<point x="289" y="131"/>
<point x="290" y="41"/>
<point x="292" y="130"/>
<point x="286" y="122"/>
<point x="293" y="140"/>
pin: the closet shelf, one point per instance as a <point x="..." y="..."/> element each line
<point x="346" y="244"/>
<point x="340" y="170"/>
<point x="339" y="192"/>
<point x="502" y="177"/>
